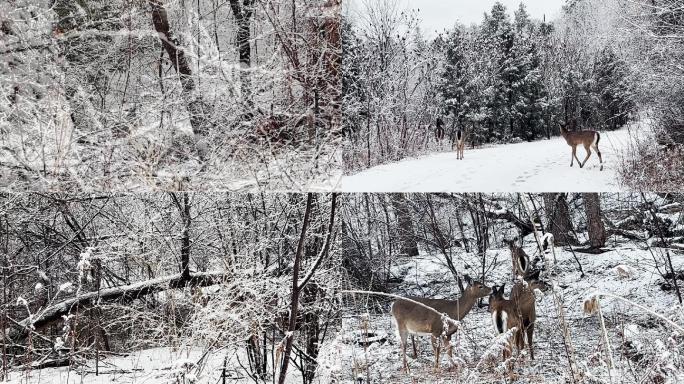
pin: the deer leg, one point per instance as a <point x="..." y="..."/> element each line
<point x="519" y="342"/>
<point x="599" y="155"/>
<point x="588" y="149"/>
<point x="436" y="348"/>
<point x="573" y="156"/>
<point x="403" y="335"/>
<point x="530" y="332"/>
<point x="415" y="352"/>
<point x="450" y="350"/>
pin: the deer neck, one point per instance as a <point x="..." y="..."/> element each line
<point x="462" y="306"/>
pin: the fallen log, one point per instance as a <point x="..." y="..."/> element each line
<point x="126" y="293"/>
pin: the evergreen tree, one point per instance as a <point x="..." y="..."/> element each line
<point x="613" y="94"/>
<point x="454" y="76"/>
<point x="498" y="38"/>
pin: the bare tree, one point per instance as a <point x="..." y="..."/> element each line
<point x="558" y="218"/>
<point x="597" y="231"/>
<point x="407" y="237"/>
<point x="197" y="108"/>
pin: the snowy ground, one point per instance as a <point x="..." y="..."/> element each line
<point x="540" y="166"/>
<point x="151" y="366"/>
<point x="653" y="343"/>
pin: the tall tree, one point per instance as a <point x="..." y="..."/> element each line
<point x="597" y="231"/>
<point x="243" y="11"/>
<point x="199" y="110"/>
<point x="407" y="237"/>
<point x="558" y="218"/>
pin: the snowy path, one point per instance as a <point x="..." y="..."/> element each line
<point x="540" y="166"/>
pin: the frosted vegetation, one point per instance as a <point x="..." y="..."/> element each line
<point x="141" y="95"/>
<point x="174" y="287"/>
<point x="614" y="313"/>
<point x="510" y="78"/>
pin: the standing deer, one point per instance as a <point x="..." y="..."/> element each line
<point x="520" y="260"/>
<point x="523" y="299"/>
<point x="519" y="311"/>
<point x="588" y="139"/>
<point x="505" y="317"/>
<point x="417" y="319"/>
<point x="439" y="130"/>
<point x="459" y="144"/>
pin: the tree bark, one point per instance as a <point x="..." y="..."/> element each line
<point x="558" y="216"/>
<point x="289" y="337"/>
<point x="197" y="109"/>
<point x="243" y="11"/>
<point x="407" y="237"/>
<point x="597" y="231"/>
<point x="184" y="211"/>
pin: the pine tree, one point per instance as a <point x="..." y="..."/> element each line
<point x="454" y="77"/>
<point x="613" y="94"/>
<point x="498" y="37"/>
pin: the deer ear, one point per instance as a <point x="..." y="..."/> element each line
<point x="468" y="279"/>
<point x="501" y="289"/>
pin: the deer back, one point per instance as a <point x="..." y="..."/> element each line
<point x="524" y="300"/>
<point x="503" y="313"/>
<point x="575" y="138"/>
<point x="419" y="319"/>
<point x="520" y="259"/>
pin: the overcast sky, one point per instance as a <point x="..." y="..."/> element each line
<point x="436" y="15"/>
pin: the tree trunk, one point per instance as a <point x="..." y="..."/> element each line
<point x="296" y="289"/>
<point x="197" y="109"/>
<point x="597" y="231"/>
<point x="558" y="216"/>
<point x="184" y="211"/>
<point x="407" y="237"/>
<point x="243" y="11"/>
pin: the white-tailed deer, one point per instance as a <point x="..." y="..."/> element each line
<point x="519" y="259"/>
<point x="504" y="317"/>
<point x="524" y="301"/>
<point x="519" y="311"/>
<point x="416" y="319"/>
<point x="459" y="144"/>
<point x="439" y="130"/>
<point x="588" y="139"/>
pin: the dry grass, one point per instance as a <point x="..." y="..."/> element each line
<point x="653" y="167"/>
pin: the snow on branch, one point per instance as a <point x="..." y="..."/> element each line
<point x="125" y="293"/>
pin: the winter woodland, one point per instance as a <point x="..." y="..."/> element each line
<point x="174" y="95"/>
<point x="167" y="287"/>
<point x="604" y="65"/>
<point x="168" y="214"/>
<point x="611" y="310"/>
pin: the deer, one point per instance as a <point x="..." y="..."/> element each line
<point x="588" y="139"/>
<point x="439" y="130"/>
<point x="519" y="259"/>
<point x="459" y="144"/>
<point x="519" y="311"/>
<point x="504" y="318"/>
<point x="524" y="300"/>
<point x="412" y="318"/>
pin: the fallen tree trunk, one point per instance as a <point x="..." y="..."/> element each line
<point x="496" y="212"/>
<point x="126" y="293"/>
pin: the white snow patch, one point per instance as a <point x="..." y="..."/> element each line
<point x="540" y="166"/>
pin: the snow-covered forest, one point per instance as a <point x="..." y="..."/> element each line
<point x="609" y="303"/>
<point x="167" y="287"/>
<point x="182" y="95"/>
<point x="599" y="65"/>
